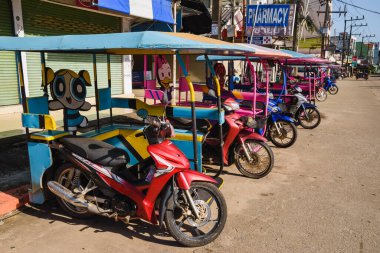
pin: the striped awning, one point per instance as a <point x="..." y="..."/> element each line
<point x="159" y="10"/>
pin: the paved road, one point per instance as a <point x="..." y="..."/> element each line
<point x="322" y="196"/>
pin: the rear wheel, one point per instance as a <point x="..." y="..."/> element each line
<point x="333" y="89"/>
<point x="260" y="162"/>
<point x="212" y="210"/>
<point x="321" y="95"/>
<point x="74" y="180"/>
<point x="309" y="118"/>
<point x="286" y="134"/>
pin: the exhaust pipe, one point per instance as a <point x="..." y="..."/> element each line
<point x="65" y="194"/>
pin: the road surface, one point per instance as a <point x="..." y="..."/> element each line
<point x="322" y="196"/>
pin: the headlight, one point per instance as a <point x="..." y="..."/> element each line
<point x="228" y="108"/>
<point x="235" y="106"/>
<point x="249" y="121"/>
<point x="275" y="109"/>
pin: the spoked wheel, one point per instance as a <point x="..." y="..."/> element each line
<point x="321" y="95"/>
<point x="182" y="223"/>
<point x="309" y="118"/>
<point x="74" y="180"/>
<point x="333" y="90"/>
<point x="284" y="135"/>
<point x="260" y="161"/>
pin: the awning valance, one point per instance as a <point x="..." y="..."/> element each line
<point x="159" y="10"/>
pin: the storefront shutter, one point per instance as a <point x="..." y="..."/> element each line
<point x="9" y="91"/>
<point x="41" y="19"/>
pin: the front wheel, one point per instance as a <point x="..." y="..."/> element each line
<point x="260" y="162"/>
<point x="284" y="135"/>
<point x="212" y="210"/>
<point x="309" y="118"/>
<point x="321" y="95"/>
<point x="333" y="90"/>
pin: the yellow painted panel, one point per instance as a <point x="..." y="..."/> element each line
<point x="48" y="137"/>
<point x="50" y="123"/>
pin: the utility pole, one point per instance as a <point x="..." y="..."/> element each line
<point x="327" y="26"/>
<point x="233" y="19"/>
<point x="361" y="45"/>
<point x="349" y="41"/>
<point x="216" y="4"/>
<point x="295" y="31"/>
<point x="243" y="27"/>
<point x="344" y="36"/>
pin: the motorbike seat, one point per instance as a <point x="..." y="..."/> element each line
<point x="184" y="123"/>
<point x="96" y="151"/>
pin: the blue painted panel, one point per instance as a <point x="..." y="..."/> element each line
<point x="187" y="148"/>
<point x="40" y="160"/>
<point x="104" y="99"/>
<point x="30" y="120"/>
<point x="38" y="105"/>
<point x="117" y="143"/>
<point x="120" y="103"/>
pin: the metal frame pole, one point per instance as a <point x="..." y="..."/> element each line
<point x="96" y="91"/>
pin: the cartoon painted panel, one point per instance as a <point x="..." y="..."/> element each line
<point x="68" y="90"/>
<point x="164" y="78"/>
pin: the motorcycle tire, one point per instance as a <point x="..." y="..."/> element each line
<point x="204" y="195"/>
<point x="261" y="166"/>
<point x="286" y="129"/>
<point x="333" y="90"/>
<point x="61" y="178"/>
<point x="321" y="95"/>
<point x="304" y="117"/>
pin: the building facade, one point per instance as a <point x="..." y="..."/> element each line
<point x="59" y="17"/>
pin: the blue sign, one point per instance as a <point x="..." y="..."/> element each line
<point x="256" y="40"/>
<point x="270" y="19"/>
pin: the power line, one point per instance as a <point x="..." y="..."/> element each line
<point x="356" y="6"/>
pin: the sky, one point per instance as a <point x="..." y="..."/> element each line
<point x="372" y="19"/>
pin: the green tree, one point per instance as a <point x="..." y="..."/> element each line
<point x="303" y="22"/>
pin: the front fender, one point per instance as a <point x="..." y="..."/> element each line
<point x="308" y="105"/>
<point x="185" y="178"/>
<point x="245" y="135"/>
<point x="279" y="116"/>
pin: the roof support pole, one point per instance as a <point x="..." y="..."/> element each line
<point x="193" y="115"/>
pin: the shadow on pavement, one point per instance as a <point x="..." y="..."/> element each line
<point x="135" y="229"/>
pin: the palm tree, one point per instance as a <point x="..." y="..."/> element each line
<point x="303" y="22"/>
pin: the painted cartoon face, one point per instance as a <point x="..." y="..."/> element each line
<point x="164" y="73"/>
<point x="69" y="89"/>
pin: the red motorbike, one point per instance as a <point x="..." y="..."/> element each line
<point x="163" y="190"/>
<point x="242" y="146"/>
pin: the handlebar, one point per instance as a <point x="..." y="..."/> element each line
<point x="154" y="122"/>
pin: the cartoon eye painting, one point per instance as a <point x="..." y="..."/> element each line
<point x="68" y="90"/>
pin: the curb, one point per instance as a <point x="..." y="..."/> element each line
<point x="13" y="199"/>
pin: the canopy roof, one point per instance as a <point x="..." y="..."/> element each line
<point x="296" y="54"/>
<point x="226" y="58"/>
<point x="124" y="43"/>
<point x="268" y="53"/>
<point x="302" y="59"/>
<point x="260" y="53"/>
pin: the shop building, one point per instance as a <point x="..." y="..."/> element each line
<point x="62" y="17"/>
